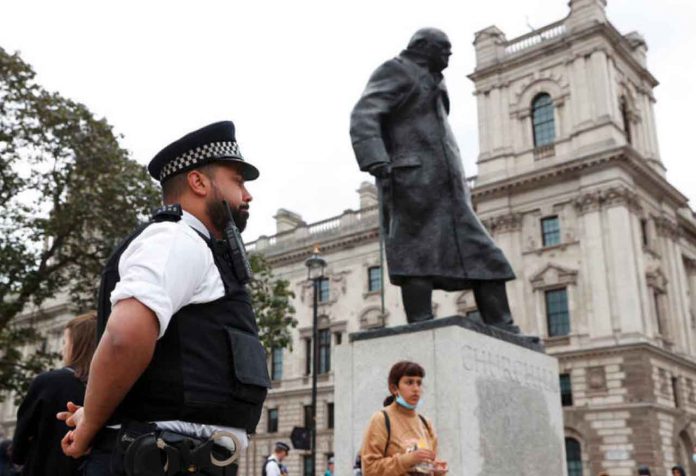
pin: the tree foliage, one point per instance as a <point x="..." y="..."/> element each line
<point x="271" y="301"/>
<point x="68" y="193"/>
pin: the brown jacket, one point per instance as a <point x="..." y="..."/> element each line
<point x="406" y="428"/>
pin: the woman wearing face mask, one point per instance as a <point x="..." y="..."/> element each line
<point x="398" y="440"/>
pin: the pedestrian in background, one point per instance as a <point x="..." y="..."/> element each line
<point x="398" y="440"/>
<point x="357" y="466"/>
<point x="7" y="468"/>
<point x="678" y="471"/>
<point x="273" y="465"/>
<point x="643" y="470"/>
<point x="38" y="434"/>
<point x="330" y="469"/>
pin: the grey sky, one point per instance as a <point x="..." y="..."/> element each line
<point x="288" y="73"/>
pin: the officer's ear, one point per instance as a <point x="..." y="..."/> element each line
<point x="199" y="183"/>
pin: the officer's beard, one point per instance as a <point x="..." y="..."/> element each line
<point x="218" y="213"/>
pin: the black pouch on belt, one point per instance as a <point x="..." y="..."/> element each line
<point x="167" y="453"/>
<point x="130" y="431"/>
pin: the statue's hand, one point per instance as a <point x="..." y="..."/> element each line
<point x="380" y="171"/>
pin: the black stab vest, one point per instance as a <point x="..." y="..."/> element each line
<point x="209" y="366"/>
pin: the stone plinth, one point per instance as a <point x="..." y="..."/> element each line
<point x="495" y="404"/>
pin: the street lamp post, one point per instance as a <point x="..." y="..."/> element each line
<point x="315" y="272"/>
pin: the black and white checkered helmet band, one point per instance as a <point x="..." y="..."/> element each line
<point x="199" y="155"/>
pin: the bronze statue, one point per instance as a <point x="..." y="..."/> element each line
<point x="433" y="238"/>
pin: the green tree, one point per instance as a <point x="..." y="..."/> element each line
<point x="68" y="193"/>
<point x="271" y="301"/>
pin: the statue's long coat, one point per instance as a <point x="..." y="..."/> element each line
<point x="428" y="222"/>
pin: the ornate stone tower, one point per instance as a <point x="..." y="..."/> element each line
<point x="572" y="186"/>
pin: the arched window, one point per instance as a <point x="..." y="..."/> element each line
<point x="542" y="120"/>
<point x="573" y="457"/>
<point x="623" y="104"/>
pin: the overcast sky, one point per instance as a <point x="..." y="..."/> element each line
<point x="288" y="73"/>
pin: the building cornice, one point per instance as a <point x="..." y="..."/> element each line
<point x="304" y="391"/>
<point x="303" y="250"/>
<point x="623" y="156"/>
<point x="617" y="349"/>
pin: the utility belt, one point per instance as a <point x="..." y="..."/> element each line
<point x="141" y="449"/>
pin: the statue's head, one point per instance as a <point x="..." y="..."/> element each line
<point x="433" y="45"/>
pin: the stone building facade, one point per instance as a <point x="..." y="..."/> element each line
<point x="572" y="187"/>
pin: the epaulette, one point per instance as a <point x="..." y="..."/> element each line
<point x="167" y="213"/>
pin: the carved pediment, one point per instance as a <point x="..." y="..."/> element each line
<point x="553" y="275"/>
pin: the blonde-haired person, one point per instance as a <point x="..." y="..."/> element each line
<point x="398" y="440"/>
<point x="37" y="437"/>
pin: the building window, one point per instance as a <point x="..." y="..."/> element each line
<point x="338" y="337"/>
<point x="644" y="231"/>
<point x="329" y="415"/>
<point x="675" y="392"/>
<point x="550" y="231"/>
<point x="323" y="290"/>
<point x="625" y="118"/>
<point x="543" y="121"/>
<point x="308" y="416"/>
<point x="273" y="420"/>
<point x="657" y="299"/>
<point x="566" y="390"/>
<point x="374" y="278"/>
<point x="557" y="312"/>
<point x="308" y="356"/>
<point x="324" y="350"/>
<point x="573" y="457"/>
<point x="277" y="364"/>
<point x="307" y="465"/>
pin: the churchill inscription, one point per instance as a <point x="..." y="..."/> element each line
<point x="489" y="363"/>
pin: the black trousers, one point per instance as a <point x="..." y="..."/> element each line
<point x="98" y="463"/>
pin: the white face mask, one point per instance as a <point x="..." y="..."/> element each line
<point x="693" y="457"/>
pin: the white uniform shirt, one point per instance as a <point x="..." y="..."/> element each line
<point x="166" y="267"/>
<point x="272" y="466"/>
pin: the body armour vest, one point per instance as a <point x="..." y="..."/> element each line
<point x="209" y="366"/>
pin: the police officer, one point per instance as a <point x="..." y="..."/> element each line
<point x="179" y="375"/>
<point x="273" y="466"/>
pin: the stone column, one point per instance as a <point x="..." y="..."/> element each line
<point x="580" y="92"/>
<point x="495" y="120"/>
<point x="594" y="269"/>
<point x="483" y="124"/>
<point x="622" y="262"/>
<point x="602" y="97"/>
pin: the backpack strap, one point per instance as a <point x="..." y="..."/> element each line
<point x="425" y="422"/>
<point x="264" y="472"/>
<point x="387" y="423"/>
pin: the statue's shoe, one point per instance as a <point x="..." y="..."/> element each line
<point x="419" y="318"/>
